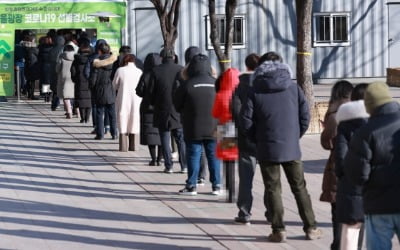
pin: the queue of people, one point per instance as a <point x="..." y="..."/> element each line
<point x="161" y="100"/>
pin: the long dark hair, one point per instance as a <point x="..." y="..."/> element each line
<point x="127" y="59"/>
<point x="341" y="90"/>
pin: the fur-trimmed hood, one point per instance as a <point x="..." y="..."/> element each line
<point x="271" y="77"/>
<point x="351" y="110"/>
<point x="104" y="61"/>
<point x="28" y="44"/>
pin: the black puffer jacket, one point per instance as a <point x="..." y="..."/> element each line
<point x="349" y="207"/>
<point x="32" y="64"/>
<point x="54" y="57"/>
<point x="100" y="80"/>
<point x="45" y="63"/>
<point x="149" y="134"/>
<point x="373" y="160"/>
<point x="275" y="114"/>
<point x="194" y="99"/>
<point x="238" y="99"/>
<point x="162" y="80"/>
<point x="82" y="91"/>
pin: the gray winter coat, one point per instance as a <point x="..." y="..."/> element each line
<point x="65" y="85"/>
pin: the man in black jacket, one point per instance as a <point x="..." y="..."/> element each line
<point x="373" y="160"/>
<point x="166" y="118"/>
<point x="276" y="114"/>
<point x="247" y="148"/>
<point x="194" y="99"/>
<point x="103" y="92"/>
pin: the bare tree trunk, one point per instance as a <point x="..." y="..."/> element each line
<point x="224" y="57"/>
<point x="168" y="20"/>
<point x="304" y="64"/>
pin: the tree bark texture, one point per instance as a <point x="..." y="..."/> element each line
<point x="169" y="19"/>
<point x="224" y="57"/>
<point x="304" y="56"/>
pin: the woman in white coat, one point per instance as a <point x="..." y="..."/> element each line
<point x="127" y="102"/>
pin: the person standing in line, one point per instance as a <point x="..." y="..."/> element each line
<point x="123" y="51"/>
<point x="275" y="116"/>
<point x="32" y="66"/>
<point x="194" y="100"/>
<point x="166" y="118"/>
<point x="127" y="102"/>
<point x="149" y="134"/>
<point x="247" y="148"/>
<point x="65" y="85"/>
<point x="182" y="76"/>
<point x="45" y="46"/>
<point x="54" y="57"/>
<point x="103" y="92"/>
<point x="349" y="207"/>
<point x="373" y="161"/>
<point x="340" y="94"/>
<point x="87" y="71"/>
<point x="82" y="91"/>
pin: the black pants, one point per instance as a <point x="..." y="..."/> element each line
<point x="85" y="114"/>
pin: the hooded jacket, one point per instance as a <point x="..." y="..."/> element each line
<point x="373" y="160"/>
<point x="194" y="100"/>
<point x="82" y="91"/>
<point x="100" y="80"/>
<point x="148" y="133"/>
<point x="275" y="114"/>
<point x="349" y="207"/>
<point x="65" y="85"/>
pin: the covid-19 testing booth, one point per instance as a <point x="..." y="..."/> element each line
<point x="99" y="19"/>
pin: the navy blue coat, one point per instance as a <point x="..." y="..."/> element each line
<point x="373" y="160"/>
<point x="275" y="114"/>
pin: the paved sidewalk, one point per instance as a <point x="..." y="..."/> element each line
<point x="60" y="189"/>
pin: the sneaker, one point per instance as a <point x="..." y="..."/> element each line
<point x="168" y="171"/>
<point x="174" y="155"/>
<point x="184" y="171"/>
<point x="188" y="191"/>
<point x="313" y="234"/>
<point x="216" y="191"/>
<point x="277" y="237"/>
<point x="242" y="221"/>
<point x="152" y="163"/>
<point x="201" y="182"/>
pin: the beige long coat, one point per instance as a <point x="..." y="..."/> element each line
<point x="127" y="103"/>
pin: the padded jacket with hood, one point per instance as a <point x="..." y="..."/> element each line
<point x="194" y="100"/>
<point x="275" y="114"/>
<point x="373" y="160"/>
<point x="100" y="80"/>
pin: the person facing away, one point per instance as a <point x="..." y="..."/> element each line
<point x="340" y="94"/>
<point x="166" y="118"/>
<point x="82" y="90"/>
<point x="194" y="100"/>
<point x="349" y="212"/>
<point x="54" y="57"/>
<point x="123" y="51"/>
<point x="65" y="85"/>
<point x="32" y="66"/>
<point x="275" y="116"/>
<point x="373" y="161"/>
<point x="247" y="148"/>
<point x="127" y="102"/>
<point x="149" y="134"/>
<point x="182" y="76"/>
<point x="103" y="92"/>
<point x="45" y="46"/>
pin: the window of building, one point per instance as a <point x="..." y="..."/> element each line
<point x="239" y="31"/>
<point x="331" y="29"/>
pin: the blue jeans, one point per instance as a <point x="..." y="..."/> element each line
<point x="166" y="147"/>
<point x="193" y="150"/>
<point x="247" y="165"/>
<point x="105" y="110"/>
<point x="380" y="229"/>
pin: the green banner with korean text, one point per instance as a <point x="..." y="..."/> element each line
<point x="54" y="15"/>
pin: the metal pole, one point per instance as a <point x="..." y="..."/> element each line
<point x="230" y="180"/>
<point x="18" y="83"/>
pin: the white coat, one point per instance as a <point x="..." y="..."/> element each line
<point x="127" y="102"/>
